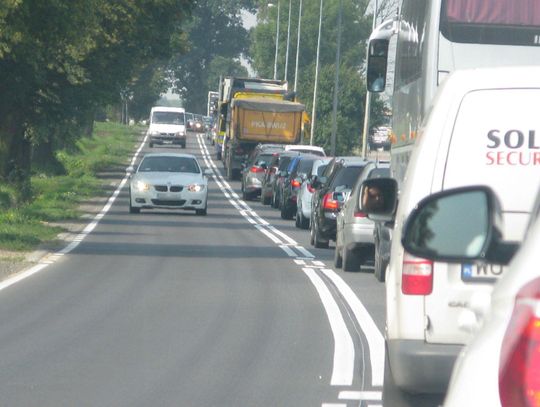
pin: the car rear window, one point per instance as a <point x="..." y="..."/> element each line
<point x="379" y="173"/>
<point x="284" y="162"/>
<point x="266" y="158"/>
<point x="346" y="177"/>
<point x="305" y="166"/>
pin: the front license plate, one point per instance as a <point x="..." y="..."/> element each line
<point x="481" y="272"/>
<point x="167" y="142"/>
<point x="165" y="197"/>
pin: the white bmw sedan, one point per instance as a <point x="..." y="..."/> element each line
<point x="168" y="181"/>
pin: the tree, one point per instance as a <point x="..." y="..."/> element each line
<point x="356" y="23"/>
<point x="215" y="30"/>
<point x="61" y="59"/>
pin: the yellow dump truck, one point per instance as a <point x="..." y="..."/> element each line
<point x="254" y="111"/>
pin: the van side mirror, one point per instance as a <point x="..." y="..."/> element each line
<point x="378" y="199"/>
<point x="458" y="225"/>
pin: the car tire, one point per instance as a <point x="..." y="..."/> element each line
<point x="286" y="213"/>
<point x="351" y="260"/>
<point x="246" y="196"/>
<point x="150" y="144"/>
<point x="201" y="212"/>
<point x="338" y="259"/>
<point x="379" y="267"/>
<point x="303" y="221"/>
<point x="317" y="240"/>
<point x="264" y="199"/>
<point x="133" y="209"/>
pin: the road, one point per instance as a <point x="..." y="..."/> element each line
<point x="166" y="308"/>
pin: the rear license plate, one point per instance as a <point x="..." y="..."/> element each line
<point x="481" y="272"/>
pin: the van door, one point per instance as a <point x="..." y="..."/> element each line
<point x="495" y="141"/>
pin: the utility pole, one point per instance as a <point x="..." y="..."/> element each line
<point x="336" y="82"/>
<point x="315" y="87"/>
<point x="298" y="47"/>
<point x="367" y="113"/>
<point x="288" y="41"/>
<point x="277" y="42"/>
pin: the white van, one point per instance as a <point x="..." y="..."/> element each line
<point x="167" y="126"/>
<point x="482" y="128"/>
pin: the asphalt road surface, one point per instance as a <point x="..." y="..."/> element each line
<point x="165" y="308"/>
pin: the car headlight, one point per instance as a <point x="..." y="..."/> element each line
<point x="154" y="133"/>
<point x="195" y="187"/>
<point x="141" y="186"/>
<point x="179" y="134"/>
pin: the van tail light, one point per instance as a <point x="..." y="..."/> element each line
<point x="256" y="169"/>
<point x="417" y="276"/>
<point x="310" y="188"/>
<point x="295" y="183"/>
<point x="519" y="365"/>
<point x="360" y="214"/>
<point x="329" y="204"/>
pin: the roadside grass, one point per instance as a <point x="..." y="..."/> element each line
<point x="56" y="198"/>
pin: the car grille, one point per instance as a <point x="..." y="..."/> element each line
<point x="161" y="202"/>
<point x="172" y="188"/>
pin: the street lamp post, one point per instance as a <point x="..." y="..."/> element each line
<point x="298" y="46"/>
<point x="315" y="87"/>
<point x="367" y="113"/>
<point x="336" y="82"/>
<point x="288" y="41"/>
<point x="277" y="39"/>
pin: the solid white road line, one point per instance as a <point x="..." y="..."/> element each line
<point x="373" y="335"/>
<point x="51" y="259"/>
<point x="343" y="371"/>
<point x="360" y="395"/>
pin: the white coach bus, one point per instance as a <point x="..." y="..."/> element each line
<point x="436" y="37"/>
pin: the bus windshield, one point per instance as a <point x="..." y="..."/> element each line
<point x="505" y="22"/>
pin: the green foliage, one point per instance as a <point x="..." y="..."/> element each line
<point x="215" y="30"/>
<point x="356" y="27"/>
<point x="54" y="198"/>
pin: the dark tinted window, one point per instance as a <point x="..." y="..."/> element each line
<point x="346" y="176"/>
<point x="321" y="169"/>
<point x="305" y="166"/>
<point x="380" y="173"/>
<point x="263" y="158"/>
<point x="506" y="22"/>
<point x="168" y="118"/>
<point x="284" y="162"/>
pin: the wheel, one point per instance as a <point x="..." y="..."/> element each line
<point x="286" y="213"/>
<point x="338" y="260"/>
<point x="379" y="266"/>
<point x="302" y="220"/>
<point x="316" y="237"/>
<point x="133" y="209"/>
<point x="264" y="199"/>
<point x="150" y="144"/>
<point x="351" y="260"/>
<point x="200" y="212"/>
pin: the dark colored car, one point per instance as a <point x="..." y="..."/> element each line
<point x="274" y="173"/>
<point x="298" y="170"/>
<point x="340" y="174"/>
<point x="254" y="170"/>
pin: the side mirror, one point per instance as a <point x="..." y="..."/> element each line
<point x="341" y="196"/>
<point x="130" y="170"/>
<point x="208" y="172"/>
<point x="376" y="65"/>
<point x="458" y="225"/>
<point x="378" y="199"/>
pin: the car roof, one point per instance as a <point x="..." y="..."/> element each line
<point x="170" y="155"/>
<point x="348" y="161"/>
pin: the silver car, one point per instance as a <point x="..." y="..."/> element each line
<point x="354" y="233"/>
<point x="168" y="181"/>
<point x="303" y="199"/>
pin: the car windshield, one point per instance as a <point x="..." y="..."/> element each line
<point x="168" y="118"/>
<point x="169" y="164"/>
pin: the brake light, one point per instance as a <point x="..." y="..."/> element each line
<point x="519" y="365"/>
<point x="310" y="188"/>
<point x="256" y="169"/>
<point x="295" y="183"/>
<point x="360" y="214"/>
<point x="329" y="204"/>
<point x="417" y="276"/>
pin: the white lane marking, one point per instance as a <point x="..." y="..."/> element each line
<point x="290" y="252"/>
<point x="360" y="395"/>
<point x="342" y="374"/>
<point x="333" y="405"/>
<point x="373" y="335"/>
<point x="51" y="259"/>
